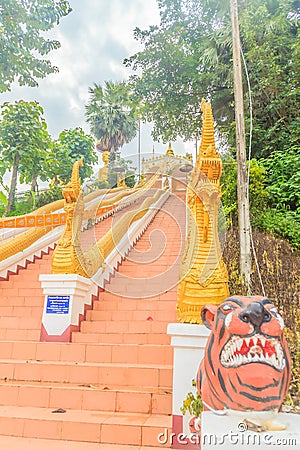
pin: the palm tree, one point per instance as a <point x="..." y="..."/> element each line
<point x="111" y="115"/>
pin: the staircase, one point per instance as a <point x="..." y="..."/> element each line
<point x="111" y="387"/>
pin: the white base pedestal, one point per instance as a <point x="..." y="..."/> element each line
<point x="226" y="432"/>
<point x="67" y="297"/>
<point x="189" y="342"/>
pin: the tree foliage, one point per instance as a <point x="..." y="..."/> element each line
<point x="28" y="150"/>
<point x="24" y="142"/>
<point x="273" y="191"/>
<point x="174" y="70"/>
<point x="258" y="194"/>
<point x="128" y="171"/>
<point x="283" y="171"/>
<point x="111" y="115"/>
<point x="190" y="56"/>
<point x="23" y="45"/>
<point x="71" y="146"/>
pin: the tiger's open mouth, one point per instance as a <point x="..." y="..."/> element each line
<point x="257" y="349"/>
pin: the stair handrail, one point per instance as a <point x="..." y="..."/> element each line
<point x="68" y="256"/>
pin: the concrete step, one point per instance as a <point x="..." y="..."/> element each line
<point x="127" y="374"/>
<point x="125" y="326"/>
<point x="20" y="323"/>
<point x="137" y="399"/>
<point x="166" y="302"/>
<point x="84" y="426"/>
<point x="19" y="335"/>
<point x="20" y="328"/>
<point x="122" y="338"/>
<point x="19" y="443"/>
<point x="116" y="315"/>
<point x="20" y="311"/>
<point x="87" y="352"/>
<point x="114" y="380"/>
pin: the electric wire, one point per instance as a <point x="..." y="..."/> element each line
<point x="249" y="164"/>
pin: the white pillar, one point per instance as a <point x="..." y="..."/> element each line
<point x="67" y="297"/>
<point x="189" y="341"/>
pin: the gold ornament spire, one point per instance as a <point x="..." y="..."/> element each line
<point x="208" y="132"/>
<point x="170" y="152"/>
<point x="203" y="276"/>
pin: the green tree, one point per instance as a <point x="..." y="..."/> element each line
<point x="178" y="67"/>
<point x="128" y="170"/>
<point x="283" y="171"/>
<point x="71" y="146"/>
<point x="258" y="194"/>
<point x="270" y="32"/>
<point x="111" y="115"/>
<point x="23" y="45"/>
<point x="273" y="192"/>
<point x="189" y="56"/>
<point x="24" y="140"/>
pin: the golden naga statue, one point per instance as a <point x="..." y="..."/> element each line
<point x="67" y="256"/>
<point x="103" y="171"/>
<point x="121" y="180"/>
<point x="203" y="275"/>
<point x="142" y="180"/>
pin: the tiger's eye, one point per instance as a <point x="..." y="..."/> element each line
<point x="245" y="318"/>
<point x="227" y="307"/>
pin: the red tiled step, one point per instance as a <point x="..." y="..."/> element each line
<point x="110" y="301"/>
<point x="19" y="335"/>
<point x="125" y="326"/>
<point x="122" y="338"/>
<point x="21" y="328"/>
<point x="92" y="373"/>
<point x="86" y="396"/>
<point x="20" y="323"/>
<point x="19" y="443"/>
<point x="85" y="352"/>
<point x="20" y="311"/>
<point x="116" y="315"/>
<point x="84" y="426"/>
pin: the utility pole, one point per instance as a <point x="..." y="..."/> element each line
<point x="242" y="190"/>
<point x="139" y="148"/>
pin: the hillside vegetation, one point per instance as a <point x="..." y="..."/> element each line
<point x="279" y="267"/>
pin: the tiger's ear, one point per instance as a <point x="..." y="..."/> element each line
<point x="208" y="314"/>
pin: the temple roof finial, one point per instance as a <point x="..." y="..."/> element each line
<point x="208" y="137"/>
<point x="170" y="150"/>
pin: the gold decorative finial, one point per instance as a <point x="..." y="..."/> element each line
<point x="208" y="133"/>
<point x="170" y="150"/>
<point x="203" y="276"/>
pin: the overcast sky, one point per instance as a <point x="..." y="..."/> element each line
<point x="95" y="38"/>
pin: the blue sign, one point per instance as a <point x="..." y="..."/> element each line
<point x="58" y="304"/>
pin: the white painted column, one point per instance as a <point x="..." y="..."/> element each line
<point x="189" y="342"/>
<point x="67" y="296"/>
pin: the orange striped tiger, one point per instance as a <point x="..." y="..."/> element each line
<point x="246" y="365"/>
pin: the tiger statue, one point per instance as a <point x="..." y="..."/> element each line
<point x="246" y="364"/>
